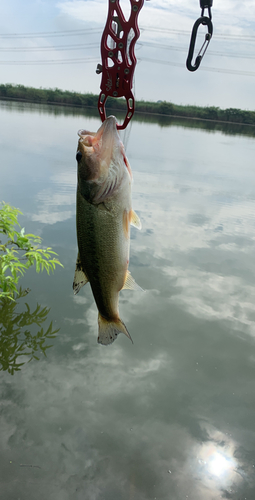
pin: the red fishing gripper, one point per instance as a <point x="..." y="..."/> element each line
<point x="118" y="57"/>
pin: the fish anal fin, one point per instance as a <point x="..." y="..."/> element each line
<point x="134" y="220"/>
<point x="130" y="283"/>
<point x="108" y="330"/>
<point x="80" y="278"/>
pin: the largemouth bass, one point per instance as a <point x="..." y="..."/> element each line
<point x="103" y="217"/>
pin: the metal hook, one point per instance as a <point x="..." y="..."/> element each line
<point x="206" y="4"/>
<point x="206" y="21"/>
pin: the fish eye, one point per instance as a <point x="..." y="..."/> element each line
<point x="78" y="156"/>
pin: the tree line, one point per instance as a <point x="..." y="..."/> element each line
<point x="68" y="98"/>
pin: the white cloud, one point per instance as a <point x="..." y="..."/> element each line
<point x="94" y="12"/>
<point x="166" y="80"/>
<point x="164" y="13"/>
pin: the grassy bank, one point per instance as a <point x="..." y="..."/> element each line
<point x="68" y="98"/>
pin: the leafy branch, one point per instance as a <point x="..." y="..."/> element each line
<point x="18" y="344"/>
<point x="19" y="251"/>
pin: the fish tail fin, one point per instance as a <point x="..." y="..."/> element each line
<point x="108" y="330"/>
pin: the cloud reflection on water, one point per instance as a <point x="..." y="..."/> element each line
<point x="111" y="423"/>
<point x="53" y="201"/>
<point x="211" y="296"/>
<point x="122" y="419"/>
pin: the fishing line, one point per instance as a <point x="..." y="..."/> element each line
<point x="126" y="135"/>
<point x="127" y="130"/>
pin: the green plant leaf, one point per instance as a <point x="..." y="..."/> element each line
<point x="19" y="252"/>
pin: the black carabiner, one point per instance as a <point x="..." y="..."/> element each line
<point x="206" y="21"/>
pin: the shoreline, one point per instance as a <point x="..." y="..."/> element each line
<point x="147" y="113"/>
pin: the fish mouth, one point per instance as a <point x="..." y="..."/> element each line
<point x="101" y="149"/>
<point x="108" y="138"/>
<point x="104" y="138"/>
<point x="108" y="127"/>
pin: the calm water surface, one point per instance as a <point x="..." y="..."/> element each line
<point x="171" y="417"/>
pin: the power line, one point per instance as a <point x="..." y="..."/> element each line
<point x="186" y="32"/>
<point x="50" y="61"/>
<point x="42" y="49"/>
<point x="217" y="70"/>
<point x="145" y="59"/>
<point x="47" y="34"/>
<point x="139" y="44"/>
<point x="185" y="49"/>
<point x="84" y="31"/>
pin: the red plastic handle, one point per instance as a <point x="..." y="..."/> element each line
<point x="118" y="57"/>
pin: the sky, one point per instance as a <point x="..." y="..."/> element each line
<point x="41" y="46"/>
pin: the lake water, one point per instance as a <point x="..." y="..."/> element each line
<point x="171" y="417"/>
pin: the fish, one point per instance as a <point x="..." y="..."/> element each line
<point x="103" y="217"/>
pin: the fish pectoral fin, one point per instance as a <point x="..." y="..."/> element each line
<point x="135" y="221"/>
<point x="108" y="330"/>
<point x="80" y="278"/>
<point x="130" y="283"/>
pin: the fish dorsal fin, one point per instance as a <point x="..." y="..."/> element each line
<point x="135" y="221"/>
<point x="130" y="283"/>
<point x="80" y="278"/>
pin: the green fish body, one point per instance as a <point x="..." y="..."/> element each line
<point x="103" y="217"/>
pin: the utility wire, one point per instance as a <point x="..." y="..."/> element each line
<point x="82" y="32"/>
<point x="46" y="34"/>
<point x="42" y="49"/>
<point x="50" y="61"/>
<point x="218" y="70"/>
<point x="185" y="32"/>
<point x="99" y="30"/>
<point x="185" y="49"/>
<point x="138" y="45"/>
<point x="145" y="59"/>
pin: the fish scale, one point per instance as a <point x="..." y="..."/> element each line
<point x="101" y="252"/>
